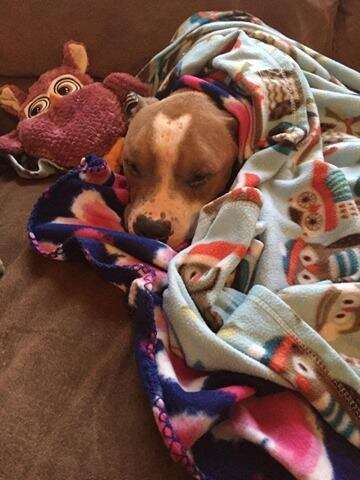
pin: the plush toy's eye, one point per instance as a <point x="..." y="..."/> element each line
<point x="66" y="85"/>
<point x="40" y="105"/>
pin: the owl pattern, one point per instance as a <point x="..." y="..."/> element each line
<point x="201" y="272"/>
<point x="338" y="403"/>
<point x="281" y="44"/>
<point x="284" y="92"/>
<point x="334" y="122"/>
<point x="318" y="207"/>
<point x="331" y="137"/>
<point x="338" y="312"/>
<point x="306" y="263"/>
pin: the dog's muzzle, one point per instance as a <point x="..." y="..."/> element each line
<point x="156" y="229"/>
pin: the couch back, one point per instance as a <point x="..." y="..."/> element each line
<point x="122" y="35"/>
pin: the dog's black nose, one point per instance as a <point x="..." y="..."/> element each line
<point x="157" y="229"/>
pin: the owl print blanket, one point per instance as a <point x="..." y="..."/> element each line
<point x="247" y="340"/>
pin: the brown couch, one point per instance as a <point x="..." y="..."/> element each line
<point x="71" y="403"/>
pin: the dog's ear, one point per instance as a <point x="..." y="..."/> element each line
<point x="232" y="124"/>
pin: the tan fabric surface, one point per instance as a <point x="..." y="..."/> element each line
<point x="71" y="402"/>
<point x="347" y="34"/>
<point x="123" y="35"/>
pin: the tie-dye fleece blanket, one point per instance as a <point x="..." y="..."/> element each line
<point x="248" y="340"/>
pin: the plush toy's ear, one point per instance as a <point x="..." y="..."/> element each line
<point x="10" y="143"/>
<point x="11" y="99"/>
<point x="123" y="83"/>
<point x="133" y="94"/>
<point x="75" y="56"/>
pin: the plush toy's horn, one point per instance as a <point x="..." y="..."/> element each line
<point x="11" y="98"/>
<point x="75" y="56"/>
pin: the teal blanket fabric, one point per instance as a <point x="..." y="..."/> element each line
<point x="274" y="266"/>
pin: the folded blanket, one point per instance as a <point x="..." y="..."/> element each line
<point x="248" y="340"/>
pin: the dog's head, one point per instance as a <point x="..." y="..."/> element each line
<point x="179" y="155"/>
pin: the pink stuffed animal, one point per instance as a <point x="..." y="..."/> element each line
<point x="66" y="115"/>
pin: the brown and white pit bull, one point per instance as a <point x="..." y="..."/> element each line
<point x="179" y="154"/>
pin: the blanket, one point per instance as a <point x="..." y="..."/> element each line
<point x="247" y="340"/>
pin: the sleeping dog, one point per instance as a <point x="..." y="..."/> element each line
<point x="179" y="154"/>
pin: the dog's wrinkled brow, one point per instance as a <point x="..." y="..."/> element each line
<point x="168" y="134"/>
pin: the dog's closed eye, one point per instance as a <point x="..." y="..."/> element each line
<point x="198" y="179"/>
<point x="132" y="168"/>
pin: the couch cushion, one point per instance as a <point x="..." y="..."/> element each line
<point x="123" y="35"/>
<point x="71" y="402"/>
<point x="347" y="37"/>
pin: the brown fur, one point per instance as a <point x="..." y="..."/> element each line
<point x="169" y="145"/>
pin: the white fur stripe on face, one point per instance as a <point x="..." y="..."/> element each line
<point x="168" y="135"/>
<point x="165" y="201"/>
